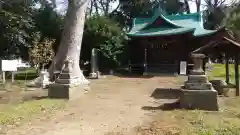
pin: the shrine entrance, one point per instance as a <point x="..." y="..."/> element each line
<point x="162" y="58"/>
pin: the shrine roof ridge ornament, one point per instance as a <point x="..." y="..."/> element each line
<point x="161" y="25"/>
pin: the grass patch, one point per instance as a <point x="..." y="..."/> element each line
<point x="218" y="72"/>
<point x="17" y="104"/>
<point x="24" y="74"/>
<point x="9" y="85"/>
<point x="196" y="122"/>
<point x="11" y="114"/>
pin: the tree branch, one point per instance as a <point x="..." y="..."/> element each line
<point x="96" y="7"/>
<point x="116" y="8"/>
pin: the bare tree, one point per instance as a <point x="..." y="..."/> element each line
<point x="210" y="4"/>
<point x="213" y="4"/>
<point x="101" y="7"/>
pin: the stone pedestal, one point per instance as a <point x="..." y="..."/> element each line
<point x="93" y="75"/>
<point x="198" y="92"/>
<point x="199" y="99"/>
<point x="64" y="91"/>
<point x="40" y="82"/>
<point x="68" y="86"/>
<point x="44" y="75"/>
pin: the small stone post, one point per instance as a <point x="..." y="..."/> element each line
<point x="145" y="73"/>
<point x="44" y="79"/>
<point x="198" y="92"/>
<point x="94" y="66"/>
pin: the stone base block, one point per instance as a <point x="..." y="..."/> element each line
<point x="93" y="76"/>
<point x="197" y="79"/>
<point x="196" y="72"/>
<point x="199" y="99"/>
<point x="66" y="91"/>
<point x="198" y="86"/>
<point x="221" y="86"/>
<point x="145" y="73"/>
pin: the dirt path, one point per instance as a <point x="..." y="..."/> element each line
<point x="113" y="105"/>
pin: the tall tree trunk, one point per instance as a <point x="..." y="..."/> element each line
<point x="107" y="7"/>
<point x="198" y="5"/>
<point x="91" y="8"/>
<point x="70" y="45"/>
<point x="187" y="8"/>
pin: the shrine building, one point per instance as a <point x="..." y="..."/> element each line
<point x="160" y="43"/>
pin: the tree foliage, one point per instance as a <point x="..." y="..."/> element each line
<point x="129" y="9"/>
<point x="174" y="6"/>
<point x="16" y="26"/>
<point x="232" y="21"/>
<point x="19" y="20"/>
<point x="106" y="35"/>
<point x="214" y="13"/>
<point x="49" y="23"/>
<point x="41" y="52"/>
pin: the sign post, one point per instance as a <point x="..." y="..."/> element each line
<point x="13" y="77"/>
<point x="183" y="68"/>
<point x="9" y="65"/>
<point x="3" y="77"/>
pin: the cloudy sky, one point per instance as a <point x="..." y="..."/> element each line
<point x="61" y="5"/>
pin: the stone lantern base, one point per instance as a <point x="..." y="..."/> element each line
<point x="199" y="99"/>
<point x="94" y="75"/>
<point x="67" y="86"/>
<point x="64" y="91"/>
<point x="198" y="92"/>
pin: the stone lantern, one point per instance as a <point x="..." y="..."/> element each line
<point x="198" y="92"/>
<point x="198" y="62"/>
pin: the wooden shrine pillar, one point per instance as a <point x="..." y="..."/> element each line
<point x="236" y="63"/>
<point x="227" y="68"/>
<point x="204" y="64"/>
<point x="145" y="62"/>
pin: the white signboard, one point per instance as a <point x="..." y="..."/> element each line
<point x="183" y="68"/>
<point x="9" y="65"/>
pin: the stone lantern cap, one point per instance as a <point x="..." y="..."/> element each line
<point x="197" y="55"/>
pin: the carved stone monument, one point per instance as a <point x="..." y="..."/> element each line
<point x="40" y="82"/>
<point x="94" y="65"/>
<point x="66" y="85"/>
<point x="198" y="92"/>
<point x="44" y="75"/>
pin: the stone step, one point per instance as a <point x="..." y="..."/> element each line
<point x="66" y="76"/>
<point x="198" y="86"/>
<point x="65" y="81"/>
<point x="194" y="72"/>
<point x="197" y="79"/>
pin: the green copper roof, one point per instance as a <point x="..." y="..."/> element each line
<point x="169" y="25"/>
<point x="162" y="31"/>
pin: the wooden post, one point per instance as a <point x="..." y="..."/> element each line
<point x="145" y="60"/>
<point x="236" y="74"/>
<point x="227" y="69"/>
<point x="13" y="77"/>
<point x="3" y="77"/>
